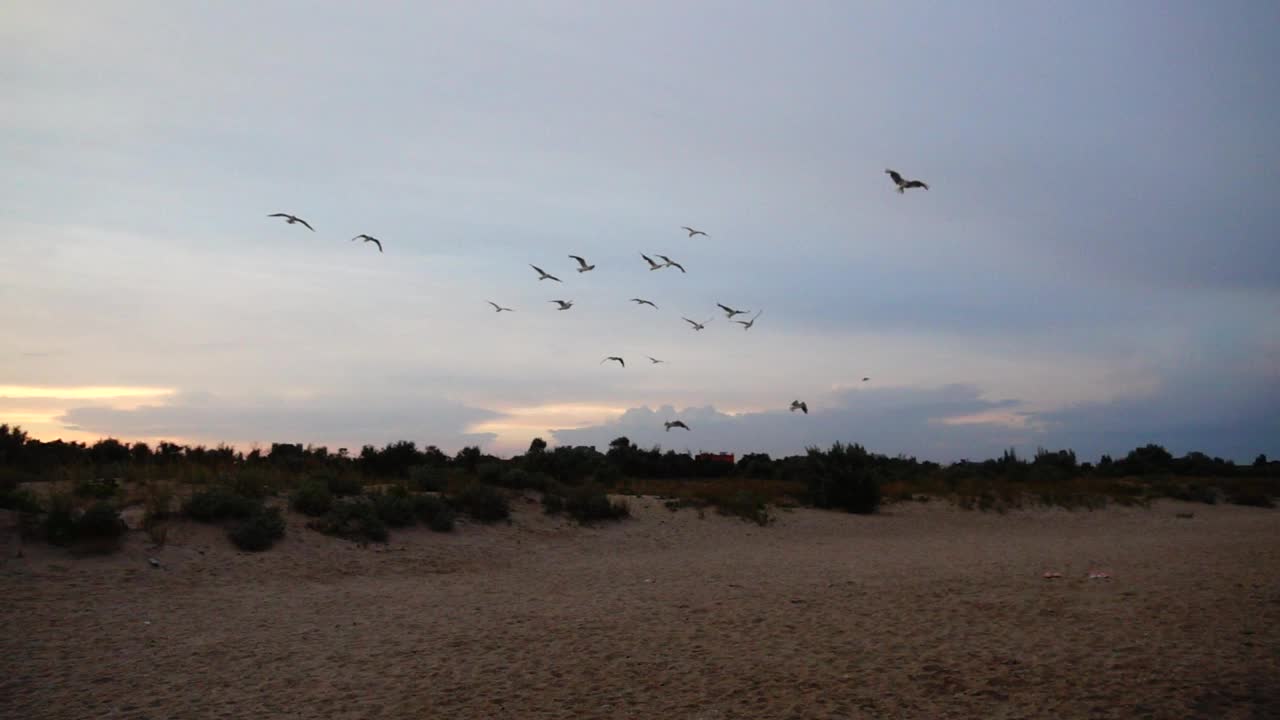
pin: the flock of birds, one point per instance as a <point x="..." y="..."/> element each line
<point x="901" y="183"/>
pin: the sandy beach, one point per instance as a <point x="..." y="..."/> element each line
<point x="924" y="611"/>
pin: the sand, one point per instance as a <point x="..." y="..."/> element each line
<point x="925" y="611"/>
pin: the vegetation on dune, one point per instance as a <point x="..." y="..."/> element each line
<point x="360" y="496"/>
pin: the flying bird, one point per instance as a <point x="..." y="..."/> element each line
<point x="699" y="326"/>
<point x="564" y="304"/>
<point x="654" y="360"/>
<point x="747" y="325"/>
<point x="582" y="264"/>
<point x="291" y="219"/>
<point x="640" y="301"/>
<point x="865" y="379"/>
<point x="615" y="358"/>
<point x="675" y="423"/>
<point x="369" y="239"/>
<point x="544" y="275"/>
<point x="799" y="405"/>
<point x="904" y="185"/>
<point x="671" y="263"/>
<point x="652" y="265"/>
<point x="730" y="311"/>
<point x="693" y="232"/>
<point x="499" y="308"/>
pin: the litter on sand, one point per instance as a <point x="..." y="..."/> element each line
<point x="1049" y="575"/>
<point x="1099" y="575"/>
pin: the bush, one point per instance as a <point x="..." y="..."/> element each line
<point x="60" y="522"/>
<point x="1194" y="492"/>
<point x="157" y="499"/>
<point x="490" y="473"/>
<point x="100" y="488"/>
<point x="587" y="505"/>
<point x="552" y="502"/>
<point x="520" y="479"/>
<point x="20" y="499"/>
<point x="1252" y="499"/>
<point x="344" y="485"/>
<point x="312" y="499"/>
<point x="352" y="519"/>
<point x="608" y="475"/>
<point x="434" y="512"/>
<point x="395" y="510"/>
<point x="748" y="506"/>
<point x="842" y="478"/>
<point x="100" y="522"/>
<point x="483" y="503"/>
<point x="252" y="482"/>
<point x="220" y="503"/>
<point x="427" y="478"/>
<point x="259" y="532"/>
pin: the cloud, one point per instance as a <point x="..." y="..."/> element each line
<point x="888" y="420"/>
<point x="956" y="422"/>
<point x="334" y="420"/>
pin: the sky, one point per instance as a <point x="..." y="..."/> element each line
<point x="1095" y="265"/>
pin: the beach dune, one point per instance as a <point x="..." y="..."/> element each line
<point x="924" y="611"/>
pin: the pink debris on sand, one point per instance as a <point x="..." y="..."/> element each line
<point x="1049" y="575"/>
<point x="1099" y="575"/>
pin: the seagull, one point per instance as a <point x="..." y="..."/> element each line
<point x="671" y="263"/>
<point x="291" y="219"/>
<point x="675" y="423"/>
<point x="904" y="185"/>
<point x="640" y="301"/>
<point x="865" y="379"/>
<point x="730" y="311"/>
<point x="654" y="360"/>
<point x="652" y="265"/>
<point x="619" y="360"/>
<point x="799" y="405"/>
<point x="699" y="326"/>
<point x="544" y="275"/>
<point x="582" y="264"/>
<point x="747" y="325"/>
<point x="564" y="304"/>
<point x="369" y="239"/>
<point x="693" y="232"/>
<point x="498" y="308"/>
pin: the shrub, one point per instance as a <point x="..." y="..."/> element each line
<point x="60" y="522"/>
<point x="252" y="482"/>
<point x="748" y="506"/>
<point x="157" y="499"/>
<point x="434" y="511"/>
<point x="1194" y="492"/>
<point x="490" y="473"/>
<point x="220" y="503"/>
<point x="312" y="499"/>
<point x="608" y="475"/>
<point x="352" y="519"/>
<point x="552" y="503"/>
<point x="521" y="479"/>
<point x="344" y="485"/>
<point x="427" y="478"/>
<point x="395" y="510"/>
<point x="20" y="499"/>
<point x="259" y="532"/>
<point x="100" y="488"/>
<point x="100" y="522"/>
<point x="1252" y="499"/>
<point x="842" y="478"/>
<point x="587" y="505"/>
<point x="483" y="503"/>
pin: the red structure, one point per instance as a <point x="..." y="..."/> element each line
<point x="716" y="457"/>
